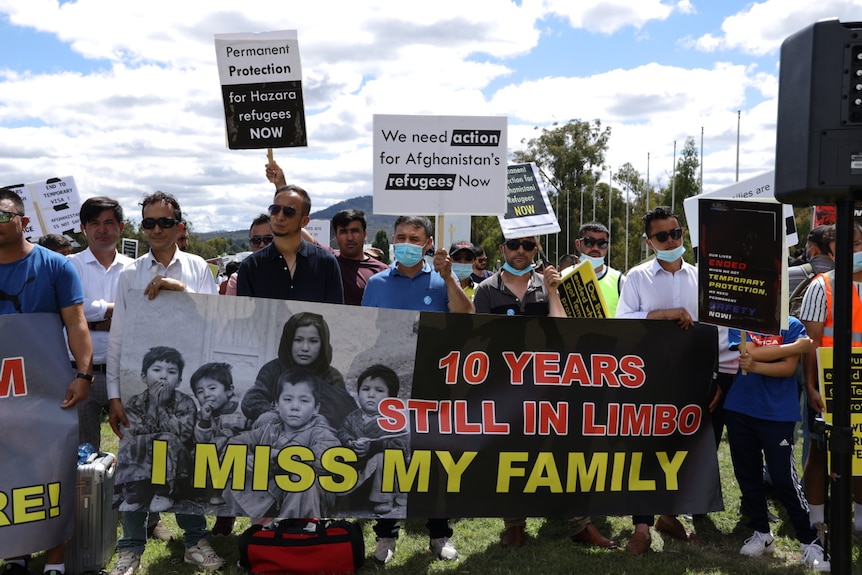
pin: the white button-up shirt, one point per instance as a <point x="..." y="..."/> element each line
<point x="100" y="288"/>
<point x="190" y="269"/>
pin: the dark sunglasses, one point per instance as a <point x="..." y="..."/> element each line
<point x="662" y="237"/>
<point x="275" y="209"/>
<point x="481" y="260"/>
<point x="257" y="240"/>
<point x="590" y="242"/>
<point x="7" y="216"/>
<point x="164" y="223"/>
<point x="515" y="244"/>
<point x="463" y="257"/>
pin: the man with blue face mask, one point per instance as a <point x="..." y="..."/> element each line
<point x="593" y="243"/>
<point x="661" y="288"/>
<point x="414" y="284"/>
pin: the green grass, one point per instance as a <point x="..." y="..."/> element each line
<point x="548" y="550"/>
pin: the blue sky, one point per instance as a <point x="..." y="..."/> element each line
<point x="124" y="95"/>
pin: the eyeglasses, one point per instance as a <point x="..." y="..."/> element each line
<point x="481" y="260"/>
<point x="463" y="257"/>
<point x="275" y="209"/>
<point x="164" y="223"/>
<point x="662" y="237"/>
<point x="515" y="244"/>
<point x="257" y="240"/>
<point x="590" y="242"/>
<point x="7" y="216"/>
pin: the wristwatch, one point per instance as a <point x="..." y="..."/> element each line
<point x="91" y="378"/>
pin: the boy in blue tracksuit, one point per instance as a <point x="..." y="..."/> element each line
<point x="761" y="411"/>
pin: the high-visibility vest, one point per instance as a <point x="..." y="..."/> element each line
<point x="828" y="339"/>
<point x="610" y="286"/>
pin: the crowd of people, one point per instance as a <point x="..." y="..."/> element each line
<point x="758" y="378"/>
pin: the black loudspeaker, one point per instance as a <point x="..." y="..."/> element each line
<point x="818" y="152"/>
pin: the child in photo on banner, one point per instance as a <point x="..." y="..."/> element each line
<point x="161" y="413"/>
<point x="361" y="433"/>
<point x="219" y="417"/>
<point x="299" y="423"/>
<point x="304" y="343"/>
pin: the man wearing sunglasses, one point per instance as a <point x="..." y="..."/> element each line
<point x="290" y="267"/>
<point x="37" y="280"/>
<point x="480" y="266"/>
<point x="593" y="243"/>
<point x="518" y="289"/>
<point x="164" y="267"/>
<point x="661" y="288"/>
<point x="259" y="236"/>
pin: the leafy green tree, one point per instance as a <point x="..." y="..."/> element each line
<point x="381" y="242"/>
<point x="685" y="177"/>
<point x="571" y="156"/>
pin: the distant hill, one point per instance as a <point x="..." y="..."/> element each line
<point x="363" y="203"/>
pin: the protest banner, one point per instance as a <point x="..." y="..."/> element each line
<point x="129" y="247"/>
<point x="320" y="230"/>
<point x="39" y="441"/>
<point x="439" y="164"/>
<point x="825" y="373"/>
<point x="580" y="293"/>
<point x="540" y="416"/>
<point x="549" y="417"/>
<point x="261" y="78"/>
<point x="528" y="209"/>
<point x="741" y="250"/>
<point x="53" y="206"/>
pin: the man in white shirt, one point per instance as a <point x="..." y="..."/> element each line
<point x="164" y="267"/>
<point x="99" y="268"/>
<point x="661" y="288"/>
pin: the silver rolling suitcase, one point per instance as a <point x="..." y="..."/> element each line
<point x="95" y="538"/>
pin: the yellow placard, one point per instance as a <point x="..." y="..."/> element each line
<point x="825" y="376"/>
<point x="580" y="292"/>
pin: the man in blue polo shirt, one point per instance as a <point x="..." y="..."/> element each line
<point x="413" y="284"/>
<point x="290" y="267"/>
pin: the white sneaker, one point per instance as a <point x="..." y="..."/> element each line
<point x="814" y="556"/>
<point x="128" y="563"/>
<point x="758" y="545"/>
<point x="443" y="549"/>
<point x="203" y="555"/>
<point x="384" y="551"/>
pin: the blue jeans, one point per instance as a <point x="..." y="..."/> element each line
<point x="135" y="530"/>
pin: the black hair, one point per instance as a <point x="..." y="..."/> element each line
<point x="163" y="198"/>
<point x="306" y="199"/>
<point x="261" y="219"/>
<point x="416" y="222"/>
<point x="54" y="242"/>
<point x="658" y="213"/>
<point x="10" y="195"/>
<point x="379" y="371"/>
<point x="163" y="353"/>
<point x="296" y="375"/>
<point x="596" y="227"/>
<point x="345" y="217"/>
<point x="216" y="371"/>
<point x="93" y="207"/>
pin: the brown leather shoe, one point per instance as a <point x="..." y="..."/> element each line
<point x="638" y="543"/>
<point x="591" y="536"/>
<point x="513" y="536"/>
<point x="670" y="525"/>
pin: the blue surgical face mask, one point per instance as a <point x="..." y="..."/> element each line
<point x="462" y="271"/>
<point x="670" y="255"/>
<point x="857" y="262"/>
<point x="408" y="254"/>
<point x="515" y="272"/>
<point x="597" y="262"/>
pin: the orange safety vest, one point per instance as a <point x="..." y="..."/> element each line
<point x="828" y="339"/>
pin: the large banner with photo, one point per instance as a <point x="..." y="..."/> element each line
<point x="258" y="407"/>
<point x="38" y="442"/>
